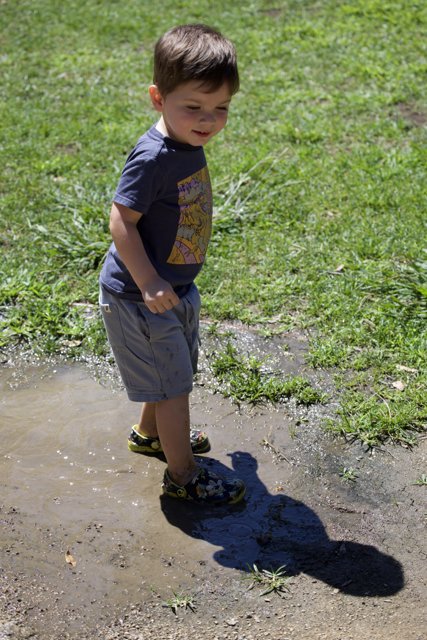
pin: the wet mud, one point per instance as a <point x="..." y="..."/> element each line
<point x="354" y="551"/>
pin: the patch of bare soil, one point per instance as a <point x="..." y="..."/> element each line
<point x="415" y="116"/>
<point x="90" y="550"/>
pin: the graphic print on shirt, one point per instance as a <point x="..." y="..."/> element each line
<point x="195" y="222"/>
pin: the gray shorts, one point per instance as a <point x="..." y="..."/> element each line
<point x="156" y="353"/>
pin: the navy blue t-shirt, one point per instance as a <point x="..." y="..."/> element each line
<point x="168" y="183"/>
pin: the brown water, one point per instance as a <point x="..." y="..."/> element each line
<point x="69" y="483"/>
<point x="66" y="468"/>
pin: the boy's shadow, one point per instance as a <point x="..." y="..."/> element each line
<point x="272" y="531"/>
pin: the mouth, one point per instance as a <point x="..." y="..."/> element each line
<point x="202" y="134"/>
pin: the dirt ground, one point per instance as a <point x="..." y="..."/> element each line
<point x="354" y="551"/>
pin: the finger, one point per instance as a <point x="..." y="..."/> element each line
<point x="162" y="305"/>
<point x="175" y="299"/>
<point x="170" y="301"/>
<point x="154" y="307"/>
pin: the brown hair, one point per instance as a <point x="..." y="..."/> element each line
<point x="194" y="52"/>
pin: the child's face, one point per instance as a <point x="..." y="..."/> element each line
<point x="190" y="113"/>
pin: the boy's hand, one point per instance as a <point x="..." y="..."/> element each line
<point x="158" y="295"/>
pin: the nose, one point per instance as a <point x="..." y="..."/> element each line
<point x="205" y="116"/>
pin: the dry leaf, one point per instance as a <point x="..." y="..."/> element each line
<point x="399" y="385"/>
<point x="71" y="343"/>
<point x="338" y="270"/>
<point x="70" y="560"/>
<point x="402" y="367"/>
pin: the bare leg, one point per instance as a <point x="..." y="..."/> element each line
<point x="173" y="423"/>
<point x="147" y="422"/>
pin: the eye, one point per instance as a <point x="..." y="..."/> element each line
<point x="192" y="108"/>
<point x="222" y="108"/>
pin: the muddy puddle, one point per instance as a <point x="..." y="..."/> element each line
<point x="69" y="484"/>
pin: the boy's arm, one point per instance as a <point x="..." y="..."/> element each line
<point x="157" y="293"/>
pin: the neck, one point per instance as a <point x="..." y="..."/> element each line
<point x="161" y="126"/>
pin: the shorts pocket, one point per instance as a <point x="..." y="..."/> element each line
<point x="188" y="312"/>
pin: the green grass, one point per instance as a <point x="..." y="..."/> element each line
<point x="373" y="418"/>
<point x="348" y="474"/>
<point x="319" y="181"/>
<point x="272" y="581"/>
<point x="180" y="601"/>
<point x="247" y="379"/>
<point x="422" y="480"/>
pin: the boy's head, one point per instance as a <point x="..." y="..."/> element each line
<point x="194" y="52"/>
<point x="195" y="77"/>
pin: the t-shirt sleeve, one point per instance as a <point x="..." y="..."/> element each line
<point x="139" y="183"/>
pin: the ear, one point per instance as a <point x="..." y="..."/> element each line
<point x="157" y="99"/>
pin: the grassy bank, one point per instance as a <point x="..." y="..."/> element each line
<point x="319" y="180"/>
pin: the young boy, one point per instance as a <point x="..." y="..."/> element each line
<point x="161" y="224"/>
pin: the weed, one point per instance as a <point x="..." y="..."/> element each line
<point x="180" y="601"/>
<point x="348" y="474"/>
<point x="422" y="480"/>
<point x="273" y="580"/>
<point x="293" y="433"/>
<point x="247" y="380"/>
<point x="213" y="329"/>
<point x="378" y="417"/>
<point x="405" y="291"/>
